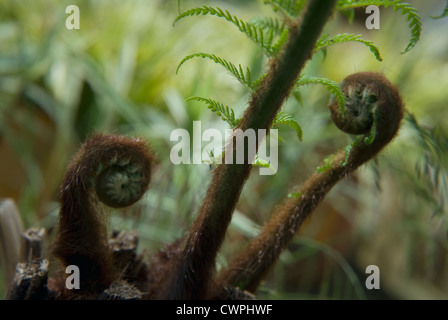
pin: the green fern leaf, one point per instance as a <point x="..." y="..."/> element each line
<point x="287" y="119"/>
<point x="415" y="22"/>
<point x="238" y="72"/>
<point x="324" y="42"/>
<point x="269" y="23"/>
<point x="280" y="42"/>
<point x="255" y="33"/>
<point x="331" y="86"/>
<point x="225" y="112"/>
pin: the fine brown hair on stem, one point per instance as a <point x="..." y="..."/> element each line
<point x="374" y="109"/>
<point x="108" y="168"/>
<point x="191" y="275"/>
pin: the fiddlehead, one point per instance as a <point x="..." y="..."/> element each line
<point x="118" y="170"/>
<point x="374" y="109"/>
<point x="367" y="95"/>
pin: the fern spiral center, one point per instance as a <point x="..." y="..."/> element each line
<point x="360" y="104"/>
<point x="370" y="100"/>
<point x="120" y="185"/>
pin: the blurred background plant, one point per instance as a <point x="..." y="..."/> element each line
<point x="118" y="73"/>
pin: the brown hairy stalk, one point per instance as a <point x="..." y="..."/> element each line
<point x="191" y="274"/>
<point x="374" y="109"/>
<point x="111" y="169"/>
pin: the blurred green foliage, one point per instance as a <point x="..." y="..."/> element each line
<point x="118" y="73"/>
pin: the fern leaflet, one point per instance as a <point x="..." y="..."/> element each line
<point x="280" y="42"/>
<point x="225" y="112"/>
<point x="415" y="22"/>
<point x="238" y="72"/>
<point x="331" y="86"/>
<point x="255" y="33"/>
<point x="269" y="23"/>
<point x="323" y="43"/>
<point x="287" y="119"/>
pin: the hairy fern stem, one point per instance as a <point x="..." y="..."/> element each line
<point x="111" y="169"/>
<point x="371" y="100"/>
<point x="192" y="273"/>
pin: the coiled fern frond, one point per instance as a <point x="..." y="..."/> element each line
<point x="271" y="34"/>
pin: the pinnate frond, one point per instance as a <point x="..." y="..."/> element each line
<point x="415" y="22"/>
<point x="269" y="23"/>
<point x="225" y="112"/>
<point x="242" y="76"/>
<point x="281" y="41"/>
<point x="325" y="42"/>
<point x="255" y="33"/>
<point x="287" y="119"/>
